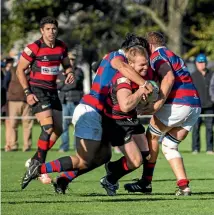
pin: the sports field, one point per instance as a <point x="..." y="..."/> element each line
<point x="85" y="195"/>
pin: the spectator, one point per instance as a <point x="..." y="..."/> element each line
<point x="201" y="79"/>
<point x="70" y="95"/>
<point x="212" y="88"/>
<point x="3" y="90"/>
<point x="17" y="106"/>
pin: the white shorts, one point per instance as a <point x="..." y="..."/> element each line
<point x="87" y="123"/>
<point x="173" y="115"/>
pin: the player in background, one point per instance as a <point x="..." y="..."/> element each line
<point x="87" y="117"/>
<point x="121" y="127"/>
<point x="44" y="57"/>
<point x="176" y="111"/>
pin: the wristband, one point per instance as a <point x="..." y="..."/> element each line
<point x="27" y="91"/>
<point x="142" y="86"/>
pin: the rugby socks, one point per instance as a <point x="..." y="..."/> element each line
<point x="183" y="183"/>
<point x="148" y="170"/>
<point x="118" y="169"/>
<point x="69" y="176"/>
<point x="51" y="143"/>
<point x="60" y="165"/>
<point x="41" y="152"/>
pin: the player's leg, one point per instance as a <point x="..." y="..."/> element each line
<point x="153" y="134"/>
<point x="131" y="160"/>
<point x="170" y="150"/>
<point x="103" y="155"/>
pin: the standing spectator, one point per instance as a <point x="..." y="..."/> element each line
<point x="17" y="106"/>
<point x="201" y="79"/>
<point x="212" y="88"/>
<point x="70" y="95"/>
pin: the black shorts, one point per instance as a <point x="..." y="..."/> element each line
<point x="119" y="132"/>
<point x="48" y="100"/>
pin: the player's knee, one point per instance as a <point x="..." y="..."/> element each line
<point x="46" y="131"/>
<point x="135" y="162"/>
<point x="170" y="147"/>
<point x="153" y="132"/>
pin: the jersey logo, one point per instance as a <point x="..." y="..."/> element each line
<point x="123" y="80"/>
<point x="50" y="70"/>
<point x="27" y="51"/>
<point x="45" y="58"/>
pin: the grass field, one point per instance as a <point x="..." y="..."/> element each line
<point x="87" y="197"/>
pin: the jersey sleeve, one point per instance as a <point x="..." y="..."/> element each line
<point x="156" y="60"/>
<point x="30" y="51"/>
<point x="117" y="55"/>
<point x="122" y="82"/>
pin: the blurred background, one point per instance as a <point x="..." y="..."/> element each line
<point x="96" y="27"/>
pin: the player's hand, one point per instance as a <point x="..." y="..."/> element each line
<point x="32" y="99"/>
<point x="144" y="93"/>
<point x="69" y="78"/>
<point x="149" y="87"/>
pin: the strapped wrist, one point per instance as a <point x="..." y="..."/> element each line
<point x="27" y="91"/>
<point x="142" y="86"/>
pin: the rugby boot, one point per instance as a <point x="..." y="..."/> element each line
<point x="141" y="185"/>
<point x="183" y="192"/>
<point x="60" y="185"/>
<point x="110" y="188"/>
<point x="31" y="173"/>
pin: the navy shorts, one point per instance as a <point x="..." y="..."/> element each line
<point x="48" y="100"/>
<point x="119" y="132"/>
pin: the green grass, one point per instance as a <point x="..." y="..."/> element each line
<point x="87" y="197"/>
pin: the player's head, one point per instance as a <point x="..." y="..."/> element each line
<point x="138" y="59"/>
<point x="132" y="40"/>
<point x="201" y="61"/>
<point x="49" y="28"/>
<point x="155" y="39"/>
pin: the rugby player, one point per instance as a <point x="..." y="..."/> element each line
<point x="87" y="117"/>
<point x="44" y="57"/>
<point x="121" y="126"/>
<point x="175" y="113"/>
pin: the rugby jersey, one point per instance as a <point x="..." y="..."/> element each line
<point x="101" y="83"/>
<point x="45" y="62"/>
<point x="183" y="91"/>
<point x="112" y="108"/>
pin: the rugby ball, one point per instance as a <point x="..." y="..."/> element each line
<point x="153" y="97"/>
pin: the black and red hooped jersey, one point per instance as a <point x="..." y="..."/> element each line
<point x="112" y="108"/>
<point x="45" y="62"/>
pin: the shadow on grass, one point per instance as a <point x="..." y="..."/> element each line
<point x="106" y="199"/>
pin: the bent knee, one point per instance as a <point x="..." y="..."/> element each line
<point x="135" y="163"/>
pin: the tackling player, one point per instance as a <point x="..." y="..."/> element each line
<point x="176" y="111"/>
<point x="44" y="57"/>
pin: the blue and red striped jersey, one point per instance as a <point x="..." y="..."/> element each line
<point x="112" y="108"/>
<point x="102" y="81"/>
<point x="45" y="62"/>
<point x="183" y="91"/>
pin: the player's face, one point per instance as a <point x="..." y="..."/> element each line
<point x="140" y="64"/>
<point x="49" y="32"/>
<point x="201" y="66"/>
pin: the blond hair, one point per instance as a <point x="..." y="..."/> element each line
<point x="132" y="52"/>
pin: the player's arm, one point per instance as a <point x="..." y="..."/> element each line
<point x="128" y="101"/>
<point x="167" y="82"/>
<point x="21" y="68"/>
<point x="127" y="71"/>
<point x="68" y="71"/>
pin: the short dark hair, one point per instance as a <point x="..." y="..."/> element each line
<point x="132" y="40"/>
<point x="48" y="20"/>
